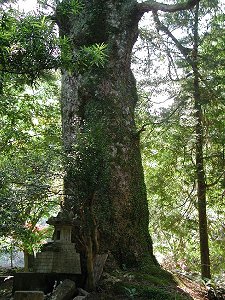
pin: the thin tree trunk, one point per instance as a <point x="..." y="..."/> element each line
<point x="200" y="170"/>
<point x="199" y="131"/>
<point x="28" y="260"/>
<point x="11" y="254"/>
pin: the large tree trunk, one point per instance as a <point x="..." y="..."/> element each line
<point x="104" y="183"/>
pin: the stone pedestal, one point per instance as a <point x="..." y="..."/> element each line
<point x="60" y="255"/>
<point x="57" y="261"/>
<point x="28" y="295"/>
<point x="41" y="281"/>
<point x="62" y="258"/>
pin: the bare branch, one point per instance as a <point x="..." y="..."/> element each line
<point x="184" y="51"/>
<point x="141" y="129"/>
<point x="155" y="6"/>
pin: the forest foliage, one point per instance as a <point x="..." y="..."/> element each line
<point x="31" y="156"/>
<point x="168" y="141"/>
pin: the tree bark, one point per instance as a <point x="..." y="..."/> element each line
<point x="155" y="6"/>
<point x="104" y="184"/>
<point x="200" y="170"/>
<point x="28" y="260"/>
<point x="199" y="144"/>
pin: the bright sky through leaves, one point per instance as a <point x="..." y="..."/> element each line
<point x="27" y="5"/>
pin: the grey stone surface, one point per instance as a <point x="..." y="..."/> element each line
<point x="28" y="295"/>
<point x="65" y="260"/>
<point x="82" y="292"/>
<point x="41" y="281"/>
<point x="64" y="291"/>
<point x="59" y="256"/>
<point x="80" y="298"/>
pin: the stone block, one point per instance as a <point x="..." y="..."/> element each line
<point x="64" y="291"/>
<point x="41" y="281"/>
<point x="83" y="292"/>
<point x="28" y="295"/>
<point x="66" y="260"/>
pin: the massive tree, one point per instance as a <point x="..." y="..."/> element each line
<point x="104" y="183"/>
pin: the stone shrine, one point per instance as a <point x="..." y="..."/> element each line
<point x="57" y="261"/>
<point x="59" y="256"/>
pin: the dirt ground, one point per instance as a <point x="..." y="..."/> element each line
<point x="184" y="286"/>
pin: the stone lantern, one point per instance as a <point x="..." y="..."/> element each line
<point x="59" y="256"/>
<point x="63" y="228"/>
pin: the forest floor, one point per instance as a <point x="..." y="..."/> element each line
<point x="193" y="288"/>
<point x="122" y="285"/>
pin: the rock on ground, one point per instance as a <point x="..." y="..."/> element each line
<point x="64" y="291"/>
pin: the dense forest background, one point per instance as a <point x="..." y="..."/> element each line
<point x="178" y="62"/>
<point x="169" y="135"/>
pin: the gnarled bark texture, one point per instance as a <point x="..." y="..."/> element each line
<point x="104" y="182"/>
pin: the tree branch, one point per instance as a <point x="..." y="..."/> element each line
<point x="216" y="181"/>
<point x="150" y="5"/>
<point x="184" y="51"/>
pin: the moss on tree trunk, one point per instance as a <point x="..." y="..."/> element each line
<point x="104" y="182"/>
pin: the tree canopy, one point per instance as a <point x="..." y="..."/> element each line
<point x="92" y="162"/>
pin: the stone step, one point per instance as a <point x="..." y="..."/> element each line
<point x="28" y="295"/>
